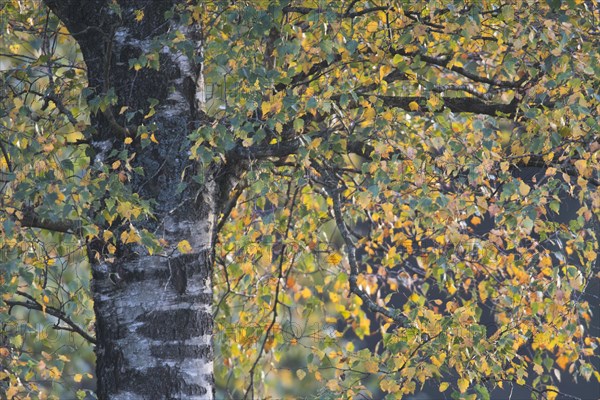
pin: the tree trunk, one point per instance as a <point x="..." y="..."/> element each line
<point x="153" y="313"/>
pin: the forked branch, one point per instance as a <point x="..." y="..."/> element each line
<point x="32" y="304"/>
<point x="333" y="189"/>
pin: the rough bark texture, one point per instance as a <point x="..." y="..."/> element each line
<point x="153" y="314"/>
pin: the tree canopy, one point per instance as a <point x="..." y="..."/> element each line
<point x="415" y="199"/>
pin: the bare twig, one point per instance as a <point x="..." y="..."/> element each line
<point x="250" y="388"/>
<point x="33" y="304"/>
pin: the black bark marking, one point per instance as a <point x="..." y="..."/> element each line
<point x="109" y="359"/>
<point x="179" y="352"/>
<point x="186" y="266"/>
<point x="178" y="267"/>
<point x="162" y="382"/>
<point x="179" y="324"/>
<point x="179" y="278"/>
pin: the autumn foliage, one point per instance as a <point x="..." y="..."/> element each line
<point x="402" y="217"/>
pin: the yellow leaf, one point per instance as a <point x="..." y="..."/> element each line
<point x="246" y="267"/>
<point x="128" y="140"/>
<point x="334" y="258"/>
<point x="265" y="108"/>
<point x="152" y="110"/>
<point x="413" y="105"/>
<point x="483" y="294"/>
<point x="581" y="166"/>
<point x="546" y="261"/>
<point x="184" y="247"/>
<point x="334" y="297"/>
<point x="300" y="374"/>
<point x="438" y="361"/>
<point x="153" y="138"/>
<point x="306" y="293"/>
<point x="368" y="117"/>
<point x="475" y="220"/>
<point x="551" y="392"/>
<point x="434" y="102"/>
<point x="269" y="344"/>
<point x="11" y="392"/>
<point x="116" y="164"/>
<point x="444" y="386"/>
<point x="130" y="236"/>
<point x="371" y="366"/>
<point x="373" y="26"/>
<point x="315" y="143"/>
<point x="451" y="288"/>
<point x="77" y="377"/>
<point x="333" y="385"/>
<point x="383" y="71"/>
<point x="55" y="373"/>
<point x="562" y="362"/>
<point x="463" y="384"/>
<point x="524" y="189"/>
<point x="46" y="299"/>
<point x="252" y="248"/>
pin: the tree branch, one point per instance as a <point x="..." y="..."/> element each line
<point x="366" y="11"/>
<point x="444" y="61"/>
<point x="58" y="103"/>
<point x="280" y="149"/>
<point x="331" y="186"/>
<point x="297" y="79"/>
<point x="455" y="104"/>
<point x="31" y="220"/>
<point x="230" y="205"/>
<point x="33" y="304"/>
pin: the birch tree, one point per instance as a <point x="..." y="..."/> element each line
<point x="328" y="160"/>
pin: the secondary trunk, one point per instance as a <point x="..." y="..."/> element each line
<point x="153" y="313"/>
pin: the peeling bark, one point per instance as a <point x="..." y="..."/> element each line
<point x="153" y="313"/>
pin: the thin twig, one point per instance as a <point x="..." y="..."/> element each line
<point x="277" y="287"/>
<point x="33" y="304"/>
